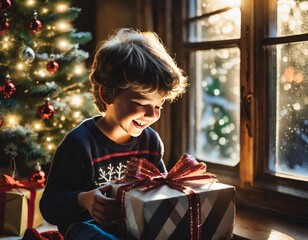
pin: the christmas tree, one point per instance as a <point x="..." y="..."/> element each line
<point x="44" y="88"/>
<point x="221" y="129"/>
<point x="218" y="106"/>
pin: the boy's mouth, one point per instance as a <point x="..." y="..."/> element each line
<point x="138" y="123"/>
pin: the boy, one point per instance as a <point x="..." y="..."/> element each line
<point x="132" y="76"/>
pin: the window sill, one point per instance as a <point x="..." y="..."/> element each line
<point x="261" y="225"/>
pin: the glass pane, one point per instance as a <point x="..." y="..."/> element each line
<point x="292" y="17"/>
<point x="217" y="106"/>
<point x="200" y="7"/>
<point x="291" y="150"/>
<point x="223" y="26"/>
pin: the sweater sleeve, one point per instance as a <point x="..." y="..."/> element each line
<point x="68" y="176"/>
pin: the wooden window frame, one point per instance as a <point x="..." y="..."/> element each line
<point x="255" y="188"/>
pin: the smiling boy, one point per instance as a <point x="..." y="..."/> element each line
<point x="132" y="76"/>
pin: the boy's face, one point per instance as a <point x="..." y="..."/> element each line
<point x="133" y="111"/>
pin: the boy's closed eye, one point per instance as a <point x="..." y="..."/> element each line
<point x="146" y="105"/>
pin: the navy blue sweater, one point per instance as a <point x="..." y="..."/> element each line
<point x="86" y="159"/>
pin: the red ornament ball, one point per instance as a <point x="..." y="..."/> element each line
<point x="35" y="25"/>
<point x="38" y="176"/>
<point x="4" y="27"/>
<point x="7" y="89"/>
<point x="46" y="111"/>
<point x="1" y="121"/>
<point x="5" y="5"/>
<point x="52" y="66"/>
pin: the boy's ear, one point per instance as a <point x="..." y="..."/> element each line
<point x="105" y="97"/>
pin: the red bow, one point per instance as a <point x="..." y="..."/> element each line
<point x="9" y="182"/>
<point x="142" y="172"/>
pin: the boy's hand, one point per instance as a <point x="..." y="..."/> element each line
<point x="104" y="210"/>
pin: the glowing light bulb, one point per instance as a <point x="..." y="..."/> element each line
<point x="77" y="114"/>
<point x="64" y="44"/>
<point x="213" y="71"/>
<point x="45" y="10"/>
<point x="216" y="92"/>
<point x="48" y="139"/>
<point x="222" y="141"/>
<point x="223" y="78"/>
<point x="221" y="122"/>
<point x="62" y="118"/>
<point x="30" y="3"/>
<point x="296" y="106"/>
<point x="42" y="73"/>
<point x="50" y="147"/>
<point x="76" y="100"/>
<point x="20" y="66"/>
<point x="6" y="43"/>
<point x="78" y="70"/>
<point x="62" y="7"/>
<point x="63" y="26"/>
<point x="37" y="126"/>
<point x="12" y="120"/>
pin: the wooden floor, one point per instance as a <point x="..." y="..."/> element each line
<point x="256" y="225"/>
<point x="249" y="224"/>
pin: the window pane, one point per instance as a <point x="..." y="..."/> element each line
<point x="200" y="7"/>
<point x="291" y="150"/>
<point x="292" y="17"/>
<point x="217" y="106"/>
<point x="221" y="26"/>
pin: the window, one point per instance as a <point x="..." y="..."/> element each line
<point x="287" y="59"/>
<point x="215" y="64"/>
<point x="248" y="99"/>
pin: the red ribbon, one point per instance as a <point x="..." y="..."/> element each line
<point x="9" y="183"/>
<point x="142" y="172"/>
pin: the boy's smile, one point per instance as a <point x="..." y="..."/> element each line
<point x="129" y="113"/>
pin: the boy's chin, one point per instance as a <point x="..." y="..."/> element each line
<point x="136" y="133"/>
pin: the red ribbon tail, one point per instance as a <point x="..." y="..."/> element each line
<point x="31" y="203"/>
<point x="121" y="196"/>
<point x="194" y="216"/>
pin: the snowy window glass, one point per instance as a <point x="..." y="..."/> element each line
<point x="215" y="76"/>
<point x="289" y="74"/>
<point x="217" y="105"/>
<point x="214" y="20"/>
<point x="292" y="17"/>
<point x="290" y="155"/>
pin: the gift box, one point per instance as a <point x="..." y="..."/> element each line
<point x="164" y="211"/>
<point x="19" y="207"/>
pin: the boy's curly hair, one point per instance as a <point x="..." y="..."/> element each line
<point x="130" y="58"/>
